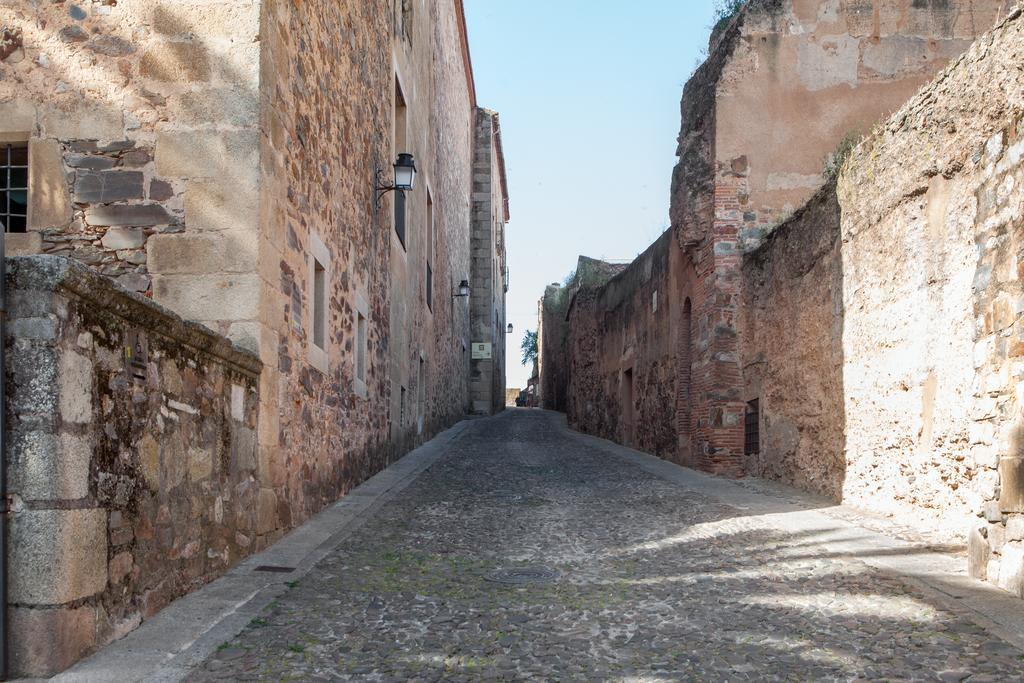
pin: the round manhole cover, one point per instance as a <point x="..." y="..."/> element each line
<point x="518" y="576"/>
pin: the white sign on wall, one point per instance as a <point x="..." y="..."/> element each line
<point x="481" y="351"/>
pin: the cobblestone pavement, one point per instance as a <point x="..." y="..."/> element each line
<point x="652" y="582"/>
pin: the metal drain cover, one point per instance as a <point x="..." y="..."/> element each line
<point x="518" y="576"/>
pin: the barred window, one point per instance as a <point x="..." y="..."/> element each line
<point x="752" y="428"/>
<point x="14" y="186"/>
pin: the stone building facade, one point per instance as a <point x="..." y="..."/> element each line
<point x="865" y="347"/>
<point x="786" y="82"/>
<point x="489" y="280"/>
<point x="224" y="159"/>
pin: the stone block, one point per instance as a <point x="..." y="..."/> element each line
<point x="224" y="252"/>
<point x="57" y="556"/>
<point x="215" y="205"/>
<point x="47" y="641"/>
<point x="49" y="203"/>
<point x="18" y="116"/>
<point x="1011" y="477"/>
<point x="243" y="449"/>
<point x="200" y="464"/>
<point x="119" y="567"/>
<point x="178" y="61"/>
<point x="46" y="466"/>
<point x="978" y="554"/>
<point x="209" y="297"/>
<point x="108" y="186"/>
<point x="266" y="511"/>
<point x="83" y="120"/>
<point x="230" y="156"/>
<point x="231" y="106"/>
<point x="123" y="238"/>
<point x="1015" y="528"/>
<point x="23" y="243"/>
<point x="149" y="460"/>
<point x="75" y="388"/>
<point x="127" y="214"/>
<point x="1011" y="569"/>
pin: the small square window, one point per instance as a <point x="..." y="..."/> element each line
<point x="14" y="187"/>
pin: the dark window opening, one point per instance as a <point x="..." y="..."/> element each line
<point x="401" y="141"/>
<point x="752" y="428"/>
<point x="319" y="304"/>
<point x="430" y="253"/>
<point x="14" y="187"/>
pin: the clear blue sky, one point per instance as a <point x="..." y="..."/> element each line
<point x="588" y="92"/>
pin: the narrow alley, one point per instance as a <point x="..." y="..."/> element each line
<point x="530" y="551"/>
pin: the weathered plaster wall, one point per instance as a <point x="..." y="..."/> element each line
<point x="132" y="473"/>
<point x="791" y="337"/>
<point x="896" y="305"/>
<point x="931" y="229"/>
<point x="819" y="71"/>
<point x="141" y="122"/>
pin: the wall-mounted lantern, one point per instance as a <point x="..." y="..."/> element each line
<point x="463" y="289"/>
<point x="509" y="330"/>
<point x="405" y="176"/>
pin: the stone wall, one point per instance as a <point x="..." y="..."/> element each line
<point x="785" y="84"/>
<point x="620" y="339"/>
<point x="895" y="304"/>
<point x="132" y="460"/>
<point x="487" y="281"/>
<point x="931" y="299"/>
<point x="791" y="333"/>
<point x="140" y="119"/>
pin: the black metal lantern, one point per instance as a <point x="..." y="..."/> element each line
<point x="404" y="179"/>
<point x="463" y="289"/>
<point x="405" y="172"/>
<point x="509" y="330"/>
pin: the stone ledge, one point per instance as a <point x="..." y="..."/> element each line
<point x="60" y="274"/>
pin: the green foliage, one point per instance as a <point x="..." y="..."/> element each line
<point x="725" y="10"/>
<point x="834" y="162"/>
<point x="529" y="347"/>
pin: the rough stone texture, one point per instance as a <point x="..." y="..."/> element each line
<point x="784" y="83"/>
<point x="487" y="273"/>
<point x="256" y="129"/>
<point x="612" y="315"/>
<point x="100" y="97"/>
<point x="655" y="581"/>
<point x="911" y="396"/>
<point x="792" y="344"/>
<point x="120" y="467"/>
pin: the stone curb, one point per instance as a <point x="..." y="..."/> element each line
<point x="943" y="578"/>
<point x="172" y="643"/>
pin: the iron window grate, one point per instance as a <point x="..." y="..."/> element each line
<point x="752" y="428"/>
<point x="14" y="187"/>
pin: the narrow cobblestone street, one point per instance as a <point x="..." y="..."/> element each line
<point x="528" y="553"/>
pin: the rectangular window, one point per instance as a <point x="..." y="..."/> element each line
<point x="430" y="252"/>
<point x="14" y="186"/>
<point x="421" y="395"/>
<point x="401" y="409"/>
<point x="319" y="304"/>
<point x="401" y="133"/>
<point x="360" y="347"/>
<point x="752" y="428"/>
